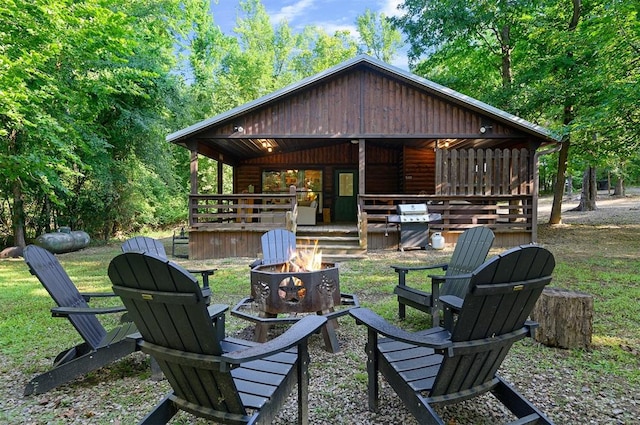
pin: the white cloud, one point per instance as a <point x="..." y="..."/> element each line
<point x="290" y="13"/>
<point x="390" y="7"/>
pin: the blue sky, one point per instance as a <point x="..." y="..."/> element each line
<point x="331" y="15"/>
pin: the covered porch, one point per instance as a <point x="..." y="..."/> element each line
<point x="346" y="146"/>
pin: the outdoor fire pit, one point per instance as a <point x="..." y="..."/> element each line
<point x="276" y="291"/>
<point x="283" y="293"/>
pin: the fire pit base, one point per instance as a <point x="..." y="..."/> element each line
<point x="248" y="310"/>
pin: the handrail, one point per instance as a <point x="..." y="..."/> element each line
<point x="502" y="213"/>
<point x="271" y="210"/>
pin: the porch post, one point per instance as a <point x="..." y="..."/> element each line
<point x="220" y="175"/>
<point x="361" y="166"/>
<point x="193" y="148"/>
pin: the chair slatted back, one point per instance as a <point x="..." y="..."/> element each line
<point x="501" y="295"/>
<point x="144" y="244"/>
<point x="470" y="252"/>
<point x="167" y="306"/>
<point x="46" y="267"/>
<point x="278" y="246"/>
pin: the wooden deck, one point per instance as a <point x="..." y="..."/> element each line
<point x="231" y="225"/>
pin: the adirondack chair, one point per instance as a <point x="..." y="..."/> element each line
<point x="440" y="366"/>
<point x="154" y="246"/>
<point x="471" y="250"/>
<point x="278" y="246"/>
<point x="100" y="347"/>
<point x="214" y="378"/>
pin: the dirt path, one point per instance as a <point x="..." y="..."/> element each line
<point x="611" y="210"/>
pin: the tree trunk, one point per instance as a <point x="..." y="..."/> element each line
<point x="569" y="189"/>
<point x="558" y="190"/>
<point x="18" y="216"/>
<point x="589" y="191"/>
<point x="619" y="189"/>
<point x="505" y="47"/>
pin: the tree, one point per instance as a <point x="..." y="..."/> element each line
<point x="491" y="26"/>
<point x="319" y="50"/>
<point x="378" y="36"/>
<point x="81" y="87"/>
<point x="546" y="61"/>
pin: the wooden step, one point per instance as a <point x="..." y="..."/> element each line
<point x="336" y="243"/>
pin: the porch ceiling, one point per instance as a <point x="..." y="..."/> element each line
<point x="234" y="149"/>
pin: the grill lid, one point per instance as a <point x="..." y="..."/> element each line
<point x="412" y="209"/>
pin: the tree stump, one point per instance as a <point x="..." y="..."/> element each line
<point x="565" y="318"/>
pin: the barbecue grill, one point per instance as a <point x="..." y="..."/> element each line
<point x="413" y="221"/>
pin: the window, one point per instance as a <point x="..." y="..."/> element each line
<point x="308" y="183"/>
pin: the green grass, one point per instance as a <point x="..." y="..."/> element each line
<point x="30" y="337"/>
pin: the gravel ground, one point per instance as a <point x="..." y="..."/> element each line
<point x="122" y="393"/>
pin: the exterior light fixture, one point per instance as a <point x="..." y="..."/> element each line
<point x="238" y="129"/>
<point x="355" y="142"/>
<point x="485" y="128"/>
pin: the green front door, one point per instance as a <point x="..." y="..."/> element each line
<point x="346" y="196"/>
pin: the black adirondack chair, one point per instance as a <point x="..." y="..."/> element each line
<point x="154" y="246"/>
<point x="278" y="246"/>
<point x="100" y="347"/>
<point x="225" y="380"/>
<point x="471" y="250"/>
<point x="440" y="366"/>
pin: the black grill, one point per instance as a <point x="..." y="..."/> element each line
<point x="413" y="221"/>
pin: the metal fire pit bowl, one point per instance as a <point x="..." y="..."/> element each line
<point x="278" y="292"/>
<point x="279" y="297"/>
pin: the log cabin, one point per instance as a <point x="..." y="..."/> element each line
<point x="338" y="151"/>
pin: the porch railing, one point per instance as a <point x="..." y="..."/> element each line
<point x="237" y="210"/>
<point x="502" y="213"/>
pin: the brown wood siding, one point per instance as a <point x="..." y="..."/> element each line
<point x="393" y="107"/>
<point x="217" y="244"/>
<point x="331" y="108"/>
<point x="245" y="176"/>
<point x="362" y="103"/>
<point x="381" y="171"/>
<point x="419" y="170"/>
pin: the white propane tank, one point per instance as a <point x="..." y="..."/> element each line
<point x="437" y="241"/>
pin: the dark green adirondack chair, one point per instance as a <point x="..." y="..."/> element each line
<point x="440" y="366"/>
<point x="471" y="250"/>
<point x="100" y="347"/>
<point x="154" y="246"/>
<point x="228" y="380"/>
<point x="278" y="246"/>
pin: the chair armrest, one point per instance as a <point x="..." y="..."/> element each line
<point x="67" y="311"/>
<point x="437" y="338"/>
<point x="405" y="269"/>
<point x="205" y="273"/>
<point x="255" y="263"/>
<point x="88" y="295"/>
<point x="451" y="301"/>
<point x="216" y="310"/>
<point x="293" y="336"/>
<point x="217" y="315"/>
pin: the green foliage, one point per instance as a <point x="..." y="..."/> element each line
<point x="379" y="38"/>
<point x="85" y="88"/>
<point x="575" y="73"/>
<point x="89" y="89"/>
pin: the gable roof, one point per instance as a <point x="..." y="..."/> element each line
<point x="437" y="90"/>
